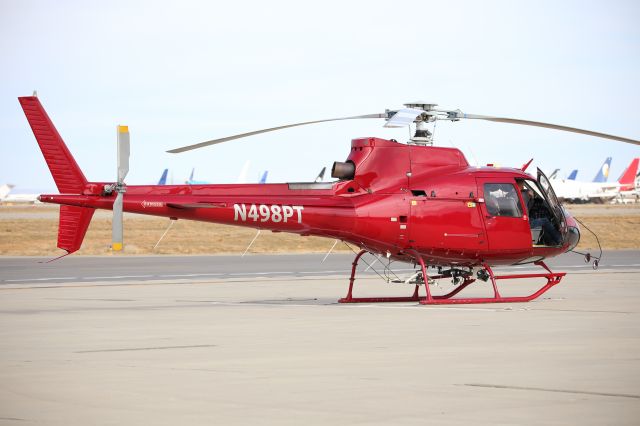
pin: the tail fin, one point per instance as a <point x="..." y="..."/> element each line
<point x="263" y="179"/>
<point x="627" y="180"/>
<point x="67" y="175"/>
<point x="163" y="178"/>
<point x="573" y="175"/>
<point x="72" y="226"/>
<point x="603" y="173"/>
<point x="5" y="190"/>
<point x="242" y="177"/>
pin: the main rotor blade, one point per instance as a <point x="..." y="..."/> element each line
<point x="403" y="117"/>
<point x="257" y="132"/>
<point x="548" y="126"/>
<point x="116" y="226"/>
<point x="123" y="153"/>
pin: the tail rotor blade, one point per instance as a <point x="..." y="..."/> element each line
<point x="123" y="169"/>
<point x="123" y="152"/>
<point x="117" y="230"/>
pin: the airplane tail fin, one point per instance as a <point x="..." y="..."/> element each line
<point x="627" y="180"/>
<point x="263" y="179"/>
<point x="163" y="178"/>
<point x="573" y="175"/>
<point x="66" y="173"/>
<point x="242" y="177"/>
<point x="5" y="190"/>
<point x="603" y="173"/>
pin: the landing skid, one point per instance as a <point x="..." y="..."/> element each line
<point x="553" y="278"/>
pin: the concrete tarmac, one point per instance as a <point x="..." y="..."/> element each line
<point x="279" y="350"/>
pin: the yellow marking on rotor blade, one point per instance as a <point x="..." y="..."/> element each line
<point x="123" y="129"/>
<point x="116" y="246"/>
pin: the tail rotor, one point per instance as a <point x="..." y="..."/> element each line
<point x="120" y="188"/>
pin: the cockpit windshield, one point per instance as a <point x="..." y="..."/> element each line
<point x="548" y="191"/>
<point x="545" y="226"/>
<point x="551" y="198"/>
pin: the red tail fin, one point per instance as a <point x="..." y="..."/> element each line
<point x="66" y="173"/>
<point x="69" y="179"/>
<point x="628" y="178"/>
<point x="72" y="227"/>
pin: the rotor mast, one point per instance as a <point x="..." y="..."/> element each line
<point x="422" y="135"/>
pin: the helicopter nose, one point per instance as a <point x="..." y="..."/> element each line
<point x="572" y="238"/>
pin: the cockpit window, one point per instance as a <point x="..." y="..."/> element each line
<point x="556" y="208"/>
<point x="548" y="190"/>
<point x="502" y="200"/>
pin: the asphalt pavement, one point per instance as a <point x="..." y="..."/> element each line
<point x="35" y="270"/>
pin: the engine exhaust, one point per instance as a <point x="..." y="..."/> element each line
<point x="343" y="171"/>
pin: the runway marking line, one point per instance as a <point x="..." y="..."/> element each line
<point x="265" y="273"/>
<point x="617" y="395"/>
<point x="152" y="348"/>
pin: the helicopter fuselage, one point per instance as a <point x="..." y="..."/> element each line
<point x="400" y="197"/>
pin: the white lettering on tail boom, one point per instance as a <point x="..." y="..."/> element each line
<point x="264" y="213"/>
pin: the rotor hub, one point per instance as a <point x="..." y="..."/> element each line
<point x="421" y="105"/>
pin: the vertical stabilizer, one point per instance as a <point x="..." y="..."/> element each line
<point x="628" y="178"/>
<point x="163" y="178"/>
<point x="603" y="173"/>
<point x="5" y="190"/>
<point x="69" y="179"/>
<point x="67" y="175"/>
<point x="72" y="227"/>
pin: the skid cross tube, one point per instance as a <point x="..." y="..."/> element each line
<point x="553" y="278"/>
<point x="351" y="299"/>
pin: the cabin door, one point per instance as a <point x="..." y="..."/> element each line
<point x="506" y="225"/>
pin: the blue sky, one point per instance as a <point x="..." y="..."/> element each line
<point x="182" y="72"/>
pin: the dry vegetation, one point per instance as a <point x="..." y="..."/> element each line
<point x="37" y="236"/>
<point x="33" y="231"/>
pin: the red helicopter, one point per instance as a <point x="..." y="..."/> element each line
<point x="410" y="202"/>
